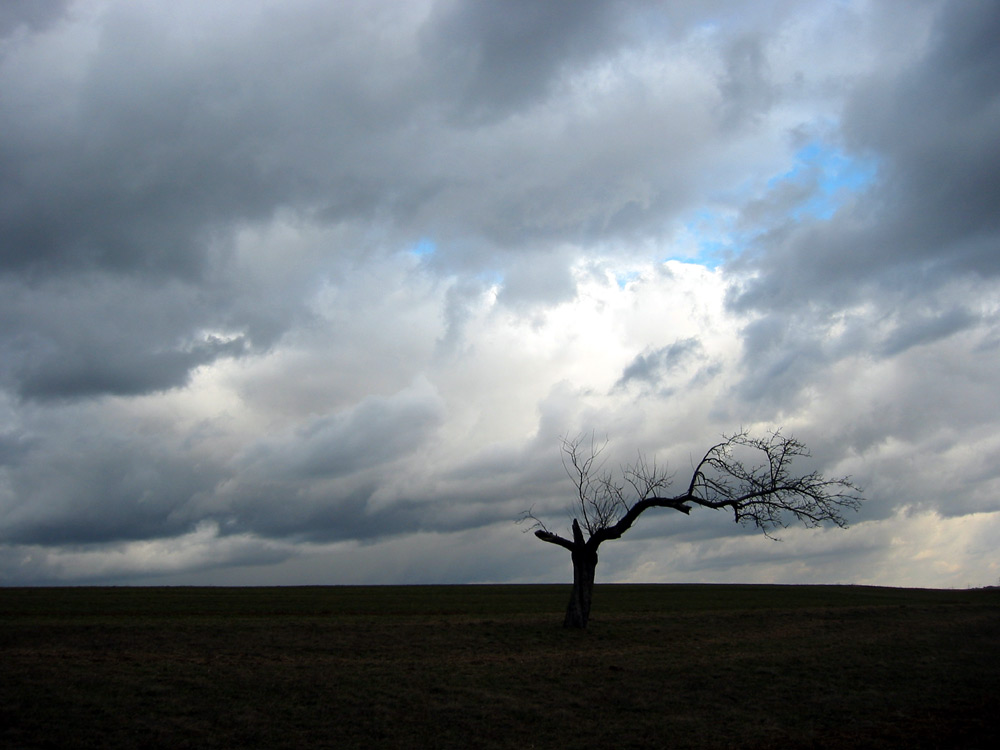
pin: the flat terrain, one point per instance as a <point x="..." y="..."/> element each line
<point x="490" y="667"/>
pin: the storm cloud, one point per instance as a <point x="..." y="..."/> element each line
<point x="306" y="292"/>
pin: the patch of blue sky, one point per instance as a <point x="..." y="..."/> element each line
<point x="713" y="253"/>
<point x="828" y="176"/>
<point x="837" y="177"/>
<point x="424" y="247"/>
<point x="491" y="277"/>
<point x="707" y="238"/>
<point x="624" y="278"/>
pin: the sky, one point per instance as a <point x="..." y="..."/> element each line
<point x="309" y="292"/>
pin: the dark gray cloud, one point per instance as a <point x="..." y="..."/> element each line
<point x="134" y="164"/>
<point x="931" y="212"/>
<point x="284" y="279"/>
<point x="121" y="482"/>
<point x="135" y="150"/>
<point x="650" y="367"/>
<point x="780" y="357"/>
<point x="882" y="266"/>
<point x="504" y="56"/>
<point x="745" y="87"/>
<point x="89" y="370"/>
<point x="919" y="329"/>
<point x="13" y="446"/>
<point x="33" y="15"/>
<point x="372" y="433"/>
<point x="91" y="486"/>
<point x="94" y="335"/>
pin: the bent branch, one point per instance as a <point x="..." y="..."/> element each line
<point x="548" y="536"/>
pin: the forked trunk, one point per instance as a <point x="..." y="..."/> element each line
<point x="584" y="566"/>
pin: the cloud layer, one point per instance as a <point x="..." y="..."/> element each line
<point x="308" y="292"/>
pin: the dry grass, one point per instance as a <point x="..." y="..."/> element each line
<point x="489" y="667"/>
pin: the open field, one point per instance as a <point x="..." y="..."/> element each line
<point x="490" y="667"/>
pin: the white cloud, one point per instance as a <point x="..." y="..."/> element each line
<point x="910" y="548"/>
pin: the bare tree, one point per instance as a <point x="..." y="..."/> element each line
<point x="748" y="475"/>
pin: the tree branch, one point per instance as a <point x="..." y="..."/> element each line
<point x="548" y="536"/>
<point x="765" y="493"/>
<point x="626" y="521"/>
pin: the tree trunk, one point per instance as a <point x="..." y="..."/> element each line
<point x="584" y="565"/>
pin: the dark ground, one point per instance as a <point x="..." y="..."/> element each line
<point x="490" y="667"/>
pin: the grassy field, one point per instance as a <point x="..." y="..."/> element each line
<point x="490" y="667"/>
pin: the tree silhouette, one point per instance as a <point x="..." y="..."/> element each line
<point x="751" y="476"/>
